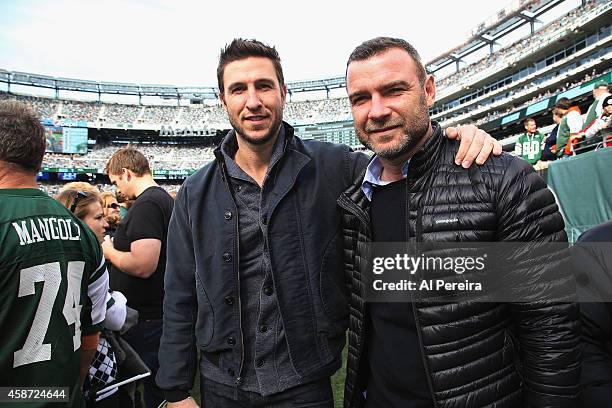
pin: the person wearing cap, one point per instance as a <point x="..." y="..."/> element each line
<point x="600" y="92"/>
<point x="601" y="123"/>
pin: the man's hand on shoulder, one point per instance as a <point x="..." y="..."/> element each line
<point x="475" y="144"/>
<point x="186" y="403"/>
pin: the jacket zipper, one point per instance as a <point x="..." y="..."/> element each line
<point x="237" y="269"/>
<point x="417" y="324"/>
<point x="347" y="204"/>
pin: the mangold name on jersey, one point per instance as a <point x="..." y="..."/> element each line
<point x="46" y="229"/>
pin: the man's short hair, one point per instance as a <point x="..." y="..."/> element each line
<point x="526" y="121"/>
<point x="128" y="158"/>
<point x="240" y="49"/>
<point x="563" y="103"/>
<point x="600" y="84"/>
<point x="22" y="137"/>
<point x="378" y="45"/>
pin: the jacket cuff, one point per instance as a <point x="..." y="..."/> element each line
<point x="175" y="395"/>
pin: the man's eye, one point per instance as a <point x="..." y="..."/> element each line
<point x="358" y="100"/>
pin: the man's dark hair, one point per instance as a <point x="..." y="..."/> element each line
<point x="22" y="137"/>
<point x="526" y="121"/>
<point x="378" y="45"/>
<point x="240" y="49"/>
<point x="563" y="103"/>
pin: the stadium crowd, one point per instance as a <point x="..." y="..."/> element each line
<point x="161" y="157"/>
<point x="519" y="49"/>
<point x="492" y="115"/>
<point x="310" y="111"/>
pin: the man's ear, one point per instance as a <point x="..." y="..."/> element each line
<point x="284" y="92"/>
<point x="430" y="90"/>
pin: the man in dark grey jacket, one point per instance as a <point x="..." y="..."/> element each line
<point x="448" y="353"/>
<point x="254" y="277"/>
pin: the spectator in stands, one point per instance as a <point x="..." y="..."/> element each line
<point x="112" y="214"/>
<point x="550" y="143"/>
<point x="570" y="126"/>
<point x="601" y="126"/>
<point x="600" y="92"/>
<point x="138" y="255"/>
<point x="53" y="278"/>
<point x="530" y="144"/>
<point x="86" y="204"/>
<point x="124" y="204"/>
<point x="253" y="254"/>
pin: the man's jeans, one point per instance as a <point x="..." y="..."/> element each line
<point x="317" y="394"/>
<point x="144" y="338"/>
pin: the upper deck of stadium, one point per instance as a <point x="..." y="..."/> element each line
<point x="509" y="63"/>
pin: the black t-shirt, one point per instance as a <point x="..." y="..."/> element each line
<point x="147" y="218"/>
<point x="397" y="375"/>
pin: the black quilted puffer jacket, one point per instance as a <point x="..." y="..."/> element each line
<point x="475" y="354"/>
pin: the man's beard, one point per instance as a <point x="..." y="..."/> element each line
<point x="414" y="129"/>
<point x="272" y="132"/>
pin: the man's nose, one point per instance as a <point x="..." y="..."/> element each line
<point x="253" y="100"/>
<point x="378" y="109"/>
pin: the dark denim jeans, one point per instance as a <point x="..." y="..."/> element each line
<point x="144" y="338"/>
<point x="317" y="394"/>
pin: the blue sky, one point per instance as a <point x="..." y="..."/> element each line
<point x="177" y="42"/>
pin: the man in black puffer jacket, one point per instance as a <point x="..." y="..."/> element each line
<point x="446" y="355"/>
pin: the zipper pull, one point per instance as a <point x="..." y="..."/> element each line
<point x="238" y="380"/>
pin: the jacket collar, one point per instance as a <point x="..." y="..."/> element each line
<point x="429" y="153"/>
<point x="289" y="140"/>
<point x="420" y="163"/>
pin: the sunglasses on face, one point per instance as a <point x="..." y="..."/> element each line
<point x="75" y="202"/>
<point x="114" y="206"/>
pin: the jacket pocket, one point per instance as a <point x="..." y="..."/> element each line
<point x="205" y="321"/>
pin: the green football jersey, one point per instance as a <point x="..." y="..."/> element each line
<point x="529" y="147"/>
<point x="53" y="285"/>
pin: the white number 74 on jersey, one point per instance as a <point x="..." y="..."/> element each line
<point x="34" y="350"/>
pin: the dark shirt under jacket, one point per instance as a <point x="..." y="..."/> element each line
<point x="397" y="375"/>
<point x="267" y="365"/>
